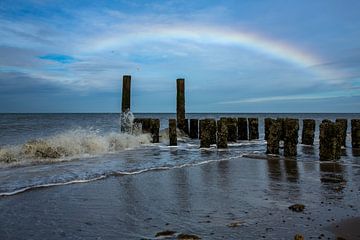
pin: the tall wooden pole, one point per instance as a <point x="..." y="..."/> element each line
<point x="180" y="103"/>
<point x="125" y="104"/>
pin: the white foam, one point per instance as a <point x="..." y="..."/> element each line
<point x="73" y="143"/>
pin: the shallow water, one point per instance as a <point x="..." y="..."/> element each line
<point x="93" y="148"/>
<point x="136" y="188"/>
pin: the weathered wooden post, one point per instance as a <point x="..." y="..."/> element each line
<point x="253" y="128"/>
<point x="355" y="133"/>
<point x="308" y="132"/>
<point x="213" y="131"/>
<point x="200" y="122"/>
<point x="194" y="128"/>
<point x="273" y="137"/>
<point x="231" y="124"/>
<point x="342" y="123"/>
<point x="282" y="130"/>
<point x="186" y="126"/>
<point x="222" y="133"/>
<point x="172" y="132"/>
<point x="207" y="130"/>
<point x="330" y="142"/>
<point x="267" y="125"/>
<point x="291" y="137"/>
<point x="125" y="104"/>
<point x="145" y="124"/>
<point x="242" y="126"/>
<point x="205" y="133"/>
<point x="154" y="129"/>
<point x="138" y="123"/>
<point x="180" y="104"/>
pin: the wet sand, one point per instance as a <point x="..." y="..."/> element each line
<point x="346" y="229"/>
<point x="243" y="198"/>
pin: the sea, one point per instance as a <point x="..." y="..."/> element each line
<point x="93" y="149"/>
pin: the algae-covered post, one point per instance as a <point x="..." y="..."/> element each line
<point x="231" y="124"/>
<point x="125" y="104"/>
<point x="342" y="123"/>
<point x="154" y="129"/>
<point x="222" y="134"/>
<point x="282" y="130"/>
<point x="145" y="124"/>
<point x="267" y="125"/>
<point x="273" y="137"/>
<point x="253" y="128"/>
<point x="242" y="126"/>
<point x="194" y="128"/>
<point x="213" y="131"/>
<point x="186" y="126"/>
<point x="330" y="141"/>
<point x="180" y="103"/>
<point x="172" y="132"/>
<point x="291" y="132"/>
<point x="207" y="138"/>
<point x="308" y="132"/>
<point x="355" y="133"/>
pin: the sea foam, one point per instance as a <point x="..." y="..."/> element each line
<point x="72" y="143"/>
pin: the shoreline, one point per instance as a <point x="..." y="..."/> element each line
<point x="204" y="200"/>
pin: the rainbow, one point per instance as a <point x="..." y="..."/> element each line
<point x="211" y="35"/>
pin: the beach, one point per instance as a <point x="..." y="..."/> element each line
<point x="117" y="186"/>
<point x="243" y="198"/>
<point x="180" y="120"/>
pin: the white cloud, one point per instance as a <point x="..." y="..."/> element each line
<point x="304" y="97"/>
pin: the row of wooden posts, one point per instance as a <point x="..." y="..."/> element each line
<point x="211" y="131"/>
<point x="217" y="132"/>
<point x="332" y="135"/>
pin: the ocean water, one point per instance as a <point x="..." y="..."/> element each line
<point x="108" y="185"/>
<point x="93" y="148"/>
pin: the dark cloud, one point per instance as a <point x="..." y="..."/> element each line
<point x="16" y="83"/>
<point x="18" y="57"/>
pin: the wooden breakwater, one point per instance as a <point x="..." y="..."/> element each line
<point x="218" y="132"/>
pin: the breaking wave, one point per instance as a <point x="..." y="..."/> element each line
<point x="78" y="142"/>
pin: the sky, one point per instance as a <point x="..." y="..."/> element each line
<point x="235" y="56"/>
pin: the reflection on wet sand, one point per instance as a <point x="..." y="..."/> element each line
<point x="291" y="169"/>
<point x="292" y="177"/>
<point x="356" y="152"/>
<point x="277" y="183"/>
<point x="274" y="170"/>
<point x="332" y="177"/>
<point x="223" y="170"/>
<point x="182" y="192"/>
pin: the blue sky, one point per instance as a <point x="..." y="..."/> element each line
<point x="235" y="56"/>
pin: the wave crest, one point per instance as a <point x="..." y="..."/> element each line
<point x="72" y="143"/>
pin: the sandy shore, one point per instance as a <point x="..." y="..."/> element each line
<point x="243" y="198"/>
